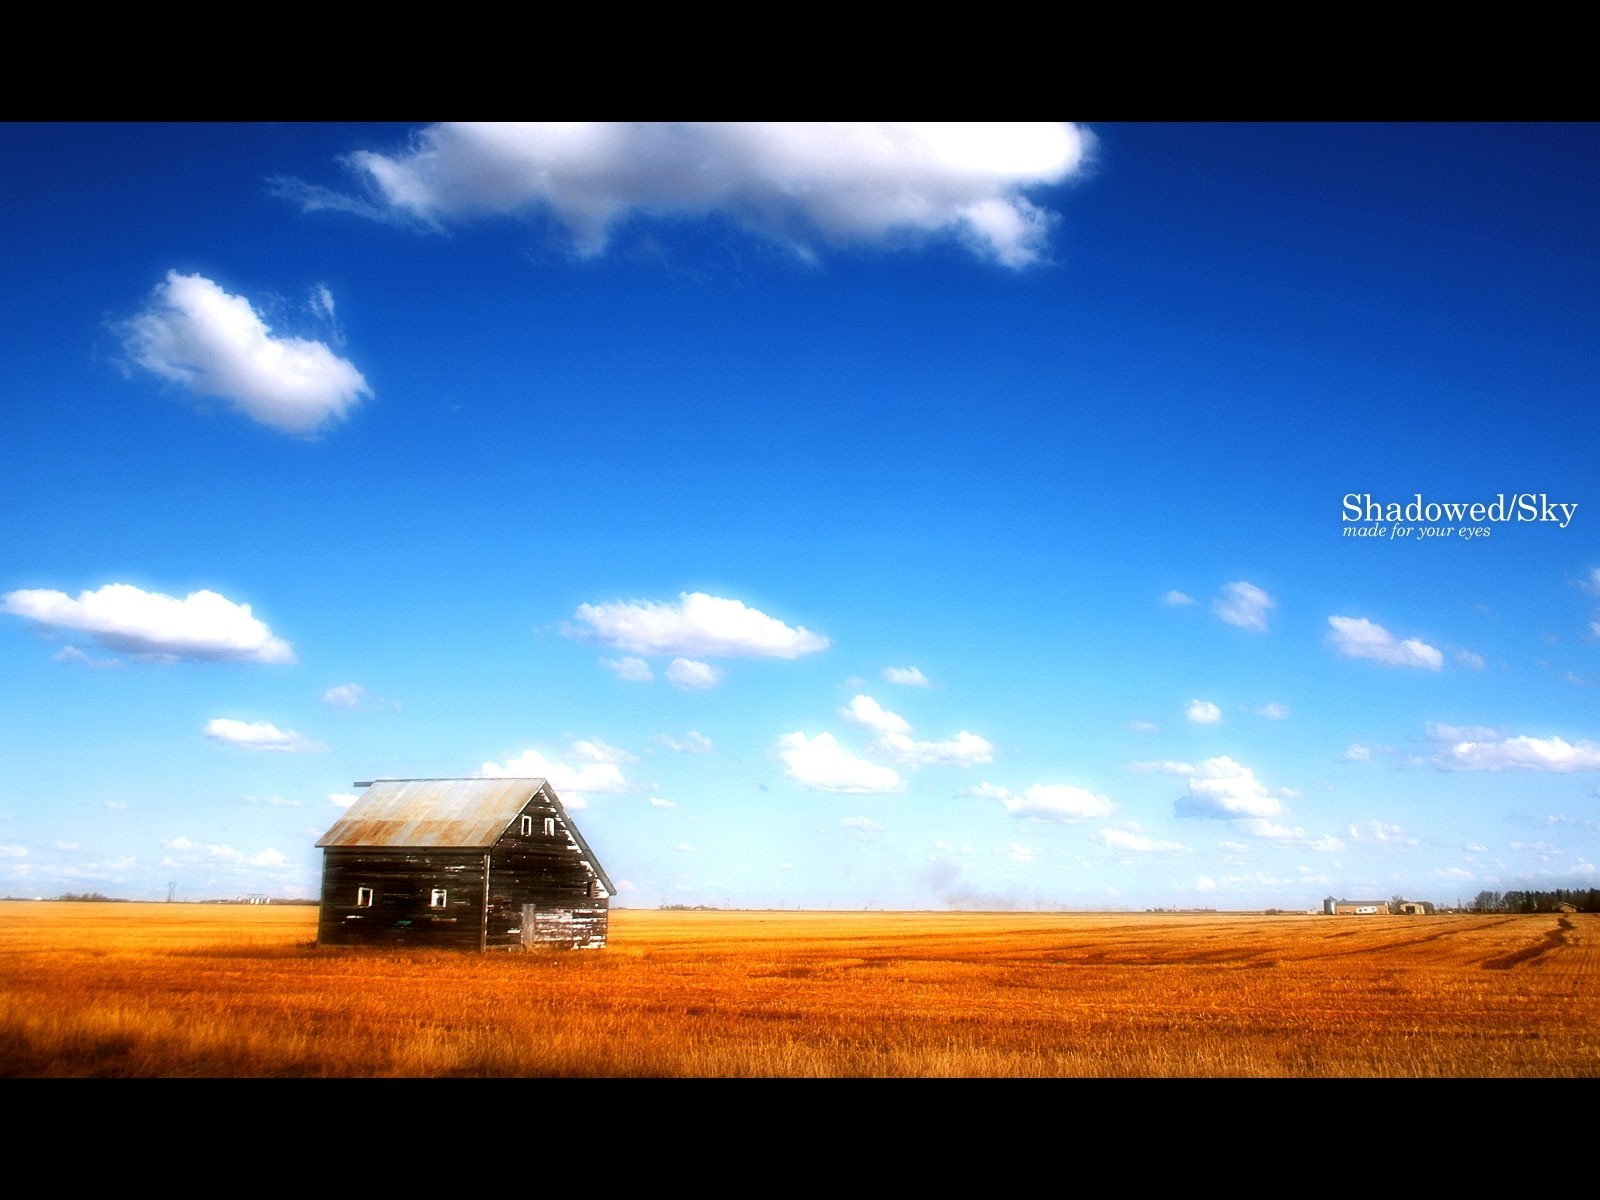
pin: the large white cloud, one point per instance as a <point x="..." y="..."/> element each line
<point x="1221" y="787"/>
<point x="1357" y="637"/>
<point x="823" y="764"/>
<point x="795" y="183"/>
<point x="258" y="735"/>
<point x="202" y="626"/>
<point x="1551" y="754"/>
<point x="1245" y="605"/>
<point x="195" y="334"/>
<point x="710" y="626"/>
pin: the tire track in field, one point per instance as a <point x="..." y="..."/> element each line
<point x="1554" y="939"/>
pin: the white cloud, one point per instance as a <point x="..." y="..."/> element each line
<point x="598" y="751"/>
<point x="1203" y="712"/>
<point x="684" y="848"/>
<point x="791" y="182"/>
<point x="571" y="783"/>
<point x="1592" y="583"/>
<point x="907" y="677"/>
<point x="1064" y="802"/>
<point x="861" y="824"/>
<point x="865" y="711"/>
<point x="1357" y="637"/>
<point x="823" y="764"/>
<point x="634" y="670"/>
<point x="1261" y="828"/>
<point x="1176" y="598"/>
<point x="1023" y="854"/>
<point x="687" y="674"/>
<point x="1451" y="873"/>
<point x="1273" y="712"/>
<point x="1356" y="752"/>
<point x="1245" y="605"/>
<point x="215" y="344"/>
<point x="114" y="804"/>
<point x="268" y="858"/>
<point x="658" y="802"/>
<point x="963" y="750"/>
<point x="1551" y="754"/>
<point x="1377" y="831"/>
<point x="1144" y="727"/>
<point x="344" y="695"/>
<point x="1221" y="787"/>
<point x="203" y="626"/>
<point x="1137" y="843"/>
<point x="1440" y="732"/>
<point x="258" y="735"/>
<point x="13" y="851"/>
<point x="693" y="743"/>
<point x="698" y="624"/>
<point x="342" y="799"/>
<point x="1205" y="883"/>
<point x="1468" y="658"/>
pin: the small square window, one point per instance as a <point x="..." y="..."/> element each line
<point x="549" y="827"/>
<point x="438" y="900"/>
<point x="527" y="825"/>
<point x="363" y="897"/>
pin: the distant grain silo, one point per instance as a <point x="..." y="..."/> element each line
<point x="474" y="864"/>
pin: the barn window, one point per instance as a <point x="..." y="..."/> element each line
<point x="527" y="825"/>
<point x="438" y="900"/>
<point x="363" y="897"/>
<point x="549" y="827"/>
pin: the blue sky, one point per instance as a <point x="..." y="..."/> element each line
<point x="840" y="516"/>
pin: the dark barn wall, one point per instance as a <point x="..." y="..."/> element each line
<point x="547" y="872"/>
<point x="402" y="883"/>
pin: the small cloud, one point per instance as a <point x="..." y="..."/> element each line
<point x="1144" y="727"/>
<point x="710" y="626"/>
<point x="906" y="677"/>
<point x="598" y="751"/>
<point x="1176" y="598"/>
<point x="684" y="848"/>
<point x="114" y="804"/>
<point x="693" y="743"/>
<point x="71" y="654"/>
<point x="1356" y="752"/>
<point x="689" y="675"/>
<point x="1163" y="766"/>
<point x="865" y="711"/>
<point x="1061" y="802"/>
<point x="259" y="735"/>
<point x="1552" y="754"/>
<point x="196" y="335"/>
<point x="1023" y="854"/>
<point x="1245" y="605"/>
<point x="344" y="695"/>
<point x="1203" y="712"/>
<point x="1273" y="712"/>
<point x="202" y="627"/>
<point x="268" y="858"/>
<point x="862" y="826"/>
<point x="1357" y="637"/>
<point x="658" y="802"/>
<point x="1469" y="659"/>
<point x="342" y="799"/>
<point x="1137" y="843"/>
<point x="634" y="670"/>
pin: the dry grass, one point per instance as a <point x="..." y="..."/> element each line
<point x="154" y="990"/>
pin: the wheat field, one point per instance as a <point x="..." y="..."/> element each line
<point x="158" y="991"/>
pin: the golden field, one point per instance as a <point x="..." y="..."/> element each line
<point x="172" y="990"/>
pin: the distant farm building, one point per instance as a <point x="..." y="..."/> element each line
<point x="474" y="864"/>
<point x="1358" y="908"/>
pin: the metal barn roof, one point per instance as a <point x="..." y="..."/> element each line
<point x="453" y="814"/>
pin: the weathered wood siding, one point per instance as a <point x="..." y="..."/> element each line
<point x="401" y="912"/>
<point x="540" y="891"/>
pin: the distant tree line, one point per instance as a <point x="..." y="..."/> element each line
<point x="1583" y="899"/>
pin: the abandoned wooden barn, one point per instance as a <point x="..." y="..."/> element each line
<point x="478" y="864"/>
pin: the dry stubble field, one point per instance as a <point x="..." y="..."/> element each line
<point x="156" y="990"/>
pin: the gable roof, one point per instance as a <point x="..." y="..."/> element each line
<point x="449" y="814"/>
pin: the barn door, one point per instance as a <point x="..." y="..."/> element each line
<point x="547" y="926"/>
